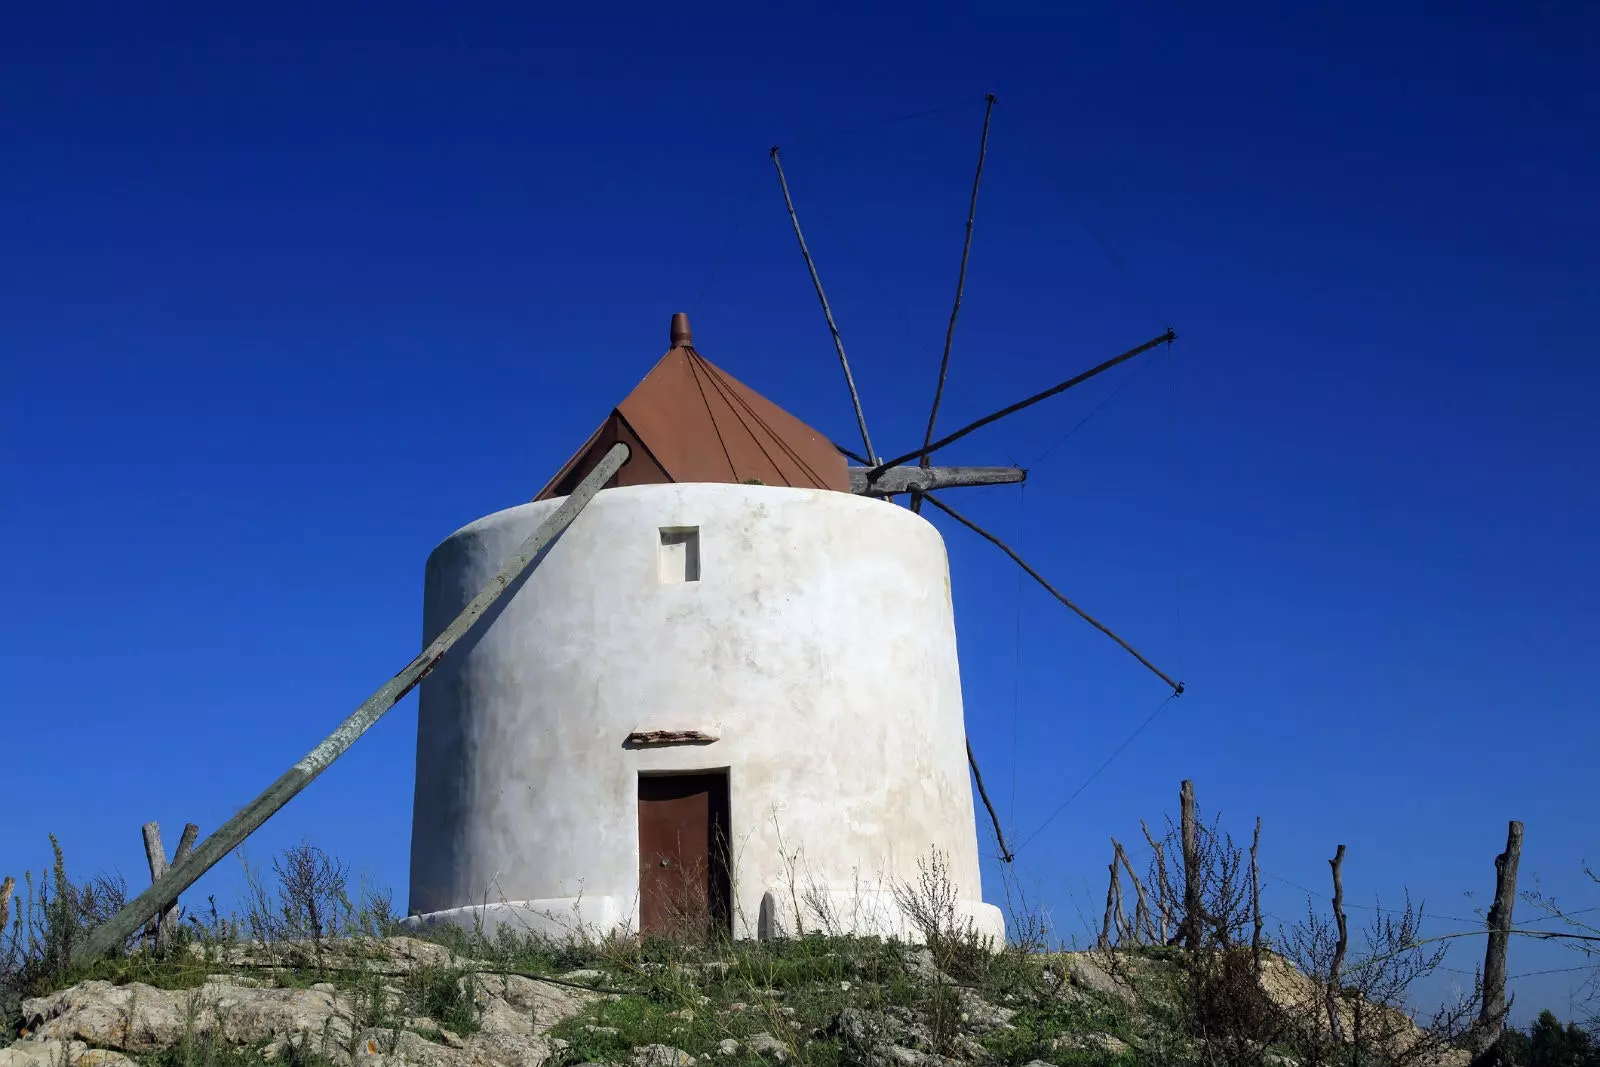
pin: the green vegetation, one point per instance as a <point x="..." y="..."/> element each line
<point x="810" y="1001"/>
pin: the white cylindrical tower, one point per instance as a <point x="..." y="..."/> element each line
<point x="778" y="661"/>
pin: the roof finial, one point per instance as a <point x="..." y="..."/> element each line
<point x="681" y="337"/>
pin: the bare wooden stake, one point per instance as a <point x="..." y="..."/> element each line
<point x="156" y="855"/>
<point x="1111" y="907"/>
<point x="1255" y="897"/>
<point x="1142" y="924"/>
<point x="1164" y="894"/>
<point x="1192" y="904"/>
<point x="169" y="915"/>
<point x="1492" y="1015"/>
<point x="1335" y="1024"/>
<point x="8" y="887"/>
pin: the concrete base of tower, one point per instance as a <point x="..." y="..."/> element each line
<point x="866" y="913"/>
<point x="857" y="913"/>
<point x="563" y="919"/>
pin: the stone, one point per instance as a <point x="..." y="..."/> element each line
<point x="768" y="1047"/>
<point x="662" y="1056"/>
<point x="980" y="1016"/>
<point x="1093" y="1042"/>
<point x="402" y="1048"/>
<point x="34" y="1053"/>
<point x="728" y="1047"/>
<point x="1096" y="976"/>
<point x="920" y="964"/>
<point x="398" y="955"/>
<point x="140" y="1018"/>
<point x="545" y="1005"/>
<point x="514" y="1017"/>
<point x="862" y="1030"/>
<point x="898" y="1056"/>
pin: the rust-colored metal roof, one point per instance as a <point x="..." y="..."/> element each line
<point x="689" y="421"/>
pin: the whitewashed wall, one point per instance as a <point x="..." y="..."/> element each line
<point x="818" y="646"/>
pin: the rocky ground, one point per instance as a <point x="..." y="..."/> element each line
<point x="399" y="1000"/>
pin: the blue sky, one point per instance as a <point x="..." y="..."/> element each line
<point x="289" y="296"/>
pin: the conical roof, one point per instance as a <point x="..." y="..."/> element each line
<point x="690" y="421"/>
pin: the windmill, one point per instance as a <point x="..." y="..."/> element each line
<point x="486" y="560"/>
<point x="894" y="477"/>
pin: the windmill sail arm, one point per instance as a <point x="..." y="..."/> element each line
<point x="921" y="479"/>
<point x="1012" y="409"/>
<point x="999" y="835"/>
<point x="1177" y="687"/>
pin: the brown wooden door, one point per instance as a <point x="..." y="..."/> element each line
<point x="683" y="866"/>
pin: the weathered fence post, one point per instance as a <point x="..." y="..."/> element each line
<point x="1164" y="895"/>
<point x="155" y="854"/>
<point x="1492" y="1015"/>
<point x="1142" y="924"/>
<point x="169" y="914"/>
<point x="1193" y="906"/>
<point x="159" y="930"/>
<point x="1335" y="1024"/>
<point x="113" y="932"/>
<point x="1255" y="898"/>
<point x="7" y="887"/>
<point x="1112" y="905"/>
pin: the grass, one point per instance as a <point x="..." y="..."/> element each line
<point x="695" y="997"/>
<point x="802" y="1001"/>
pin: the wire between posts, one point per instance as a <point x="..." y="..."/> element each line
<point x="1098" y="771"/>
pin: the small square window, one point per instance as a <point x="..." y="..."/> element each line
<point x="680" y="554"/>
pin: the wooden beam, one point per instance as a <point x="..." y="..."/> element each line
<point x="921" y="479"/>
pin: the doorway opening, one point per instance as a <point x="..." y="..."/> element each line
<point x="685" y="868"/>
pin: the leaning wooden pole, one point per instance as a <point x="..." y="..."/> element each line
<point x="180" y="876"/>
<point x="1492" y="1015"/>
<point x="827" y="312"/>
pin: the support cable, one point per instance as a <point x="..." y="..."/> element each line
<point x="1099" y="770"/>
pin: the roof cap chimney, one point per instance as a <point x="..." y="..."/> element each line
<point x="681" y="337"/>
